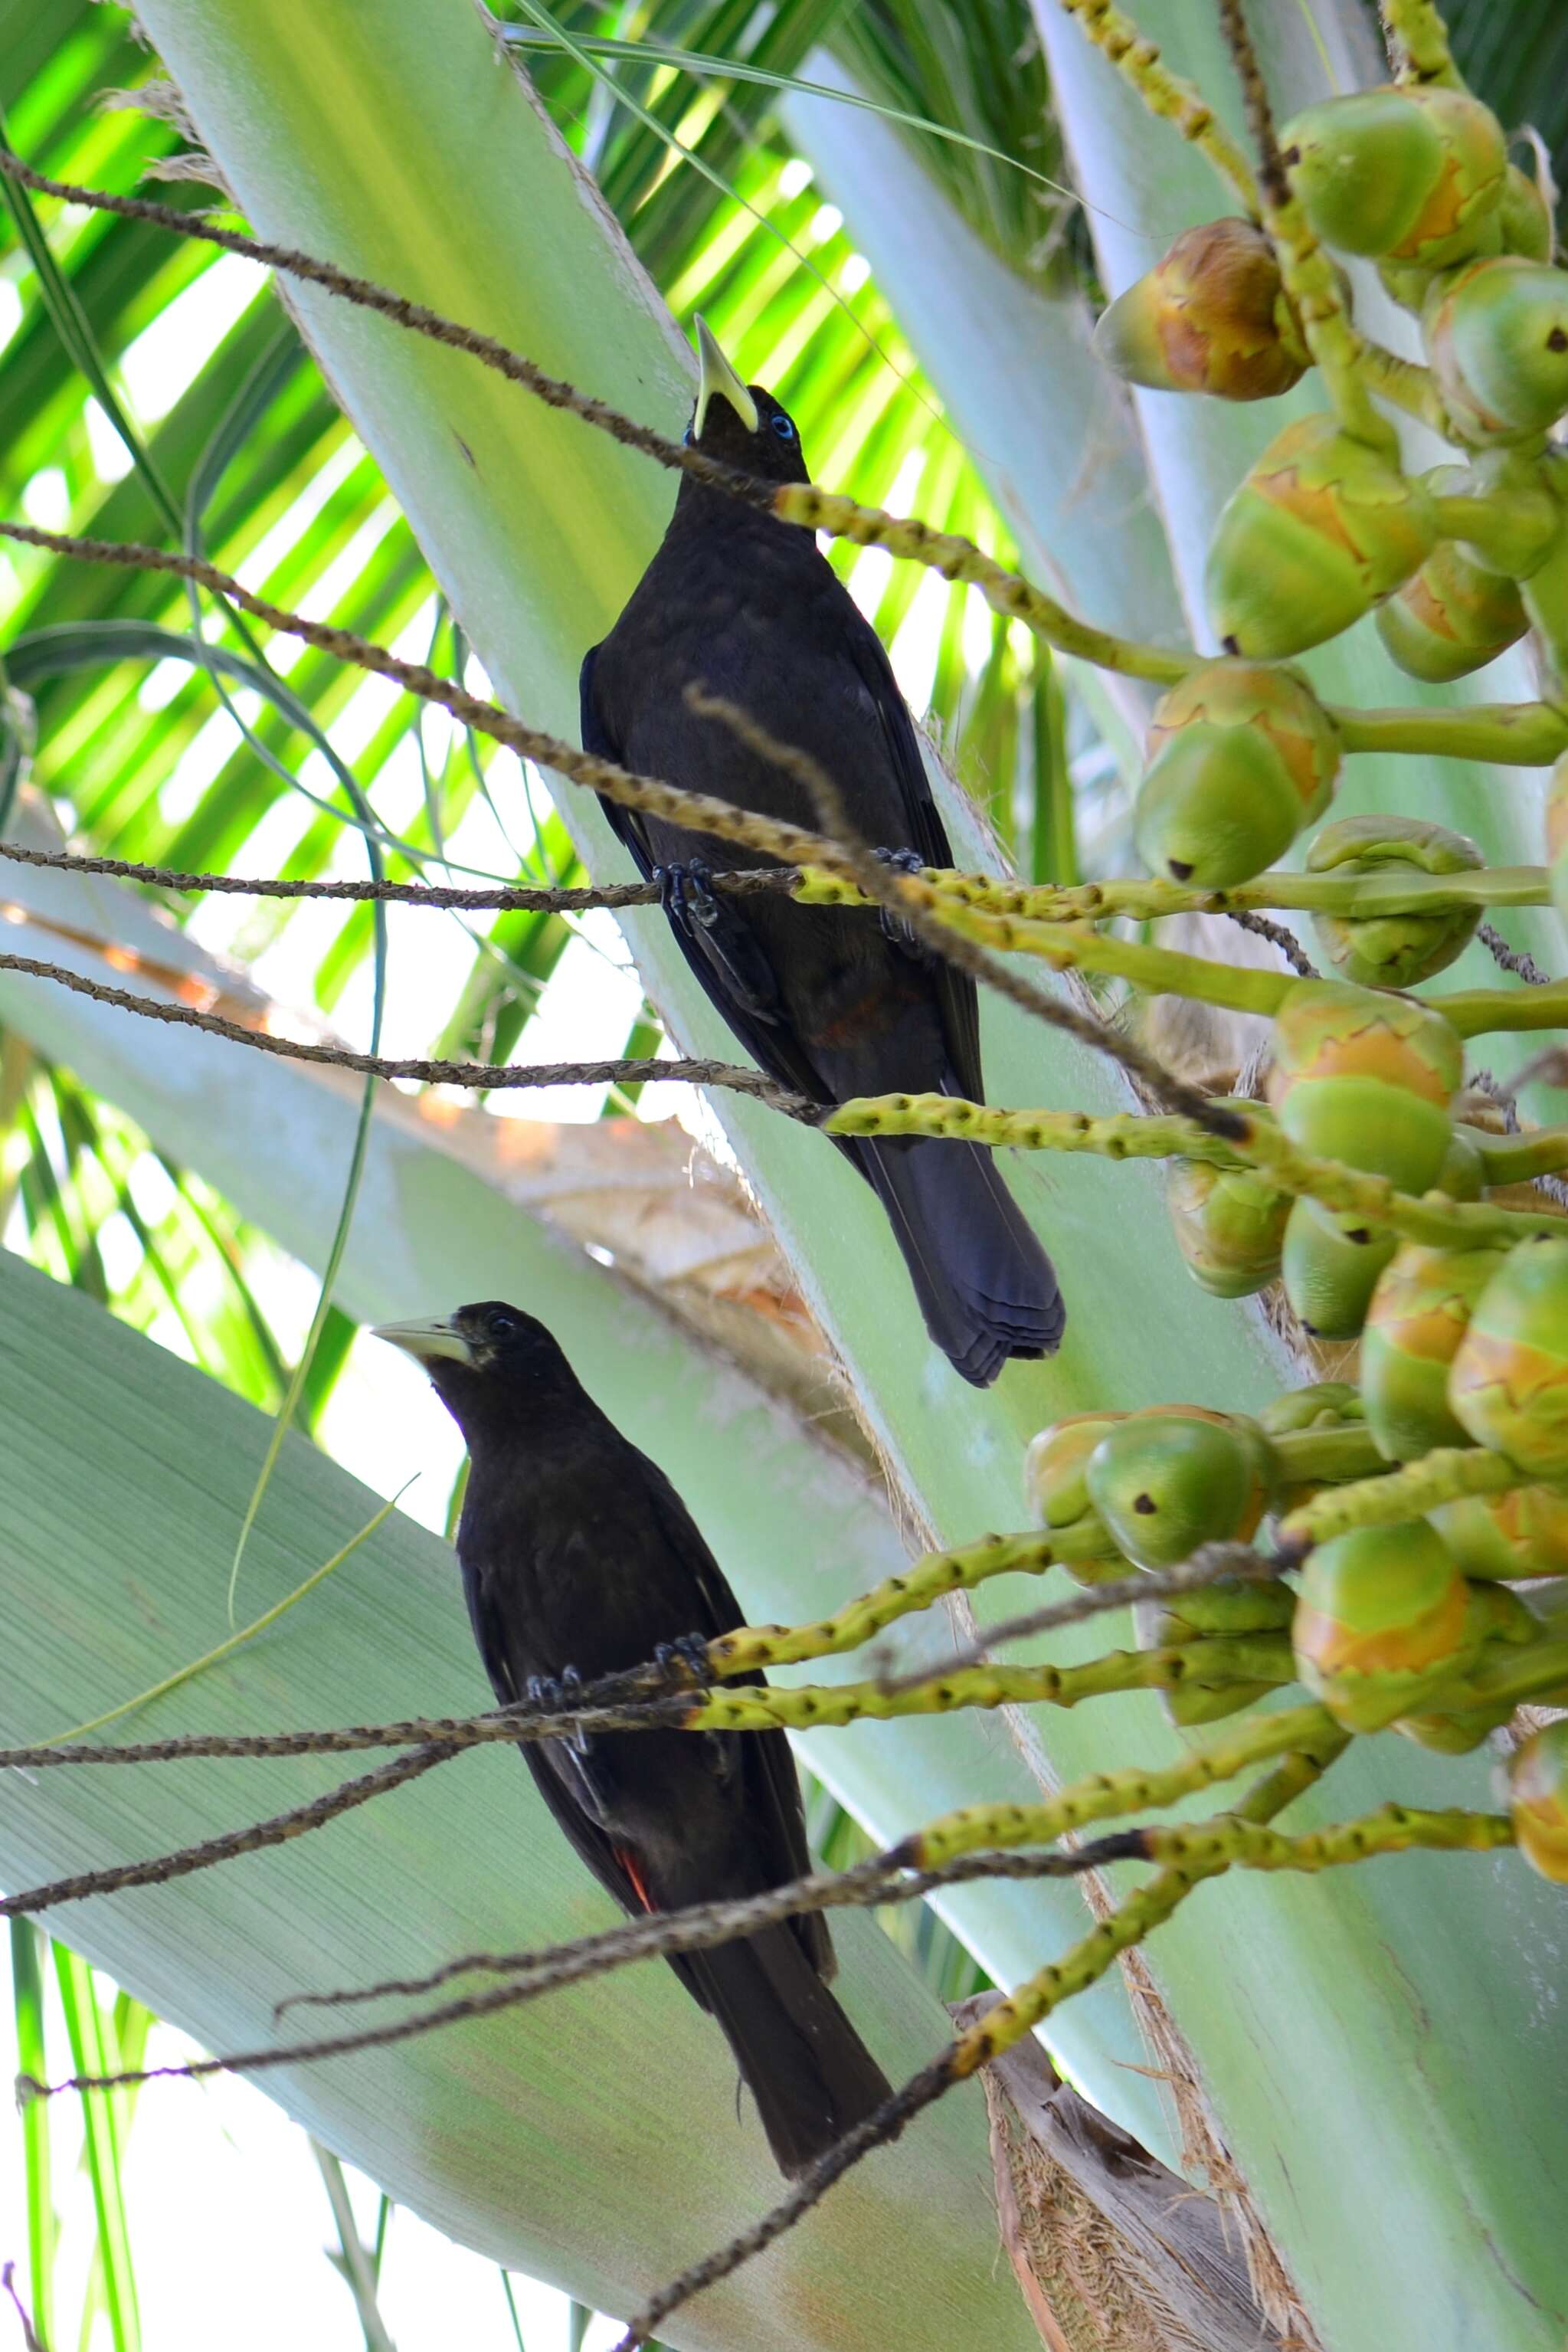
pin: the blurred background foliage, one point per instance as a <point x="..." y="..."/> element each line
<point x="151" y="390"/>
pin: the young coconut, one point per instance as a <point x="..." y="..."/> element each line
<point x="1508" y="1387"/>
<point x="1393" y="950"/>
<point x="1211" y="316"/>
<point x="1321" y="529"/>
<point x="1366" y="1079"/>
<point x="1175" y="1477"/>
<point x="1229" y="1226"/>
<point x="1538" y="1800"/>
<point x="1383" y="1622"/>
<point x="1054" y="1467"/>
<point x="1330" y="1264"/>
<point x="1451" y="617"/>
<point x="1241" y="757"/>
<point x="1417" y="1317"/>
<point x="1507" y="1537"/>
<point x="1497" y="339"/>
<point x="1411" y="174"/>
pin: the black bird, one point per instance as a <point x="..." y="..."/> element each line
<point x="579" y="1559"/>
<point x="831" y="1001"/>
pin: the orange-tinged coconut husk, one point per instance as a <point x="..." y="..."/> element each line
<point x="1416" y="1319"/>
<point x="1383" y="1622"/>
<point x="1538" y="1800"/>
<point x="1508" y="1383"/>
<point x="1321" y="529"/>
<point x="1211" y="316"/>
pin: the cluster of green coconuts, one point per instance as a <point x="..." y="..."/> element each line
<point x="1458" y="1347"/>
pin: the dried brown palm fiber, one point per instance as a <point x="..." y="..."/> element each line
<point x="1114" y="2251"/>
<point x="1202" y="2148"/>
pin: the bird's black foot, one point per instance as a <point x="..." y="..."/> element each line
<point x="716" y="934"/>
<point x="558" y="1694"/>
<point x="684" y="1663"/>
<point x="687" y="894"/>
<point x="903" y="861"/>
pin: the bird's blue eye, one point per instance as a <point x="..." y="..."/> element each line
<point x="784" y="428"/>
<point x="502" y="1326"/>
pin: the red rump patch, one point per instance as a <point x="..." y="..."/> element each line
<point x="629" y="1864"/>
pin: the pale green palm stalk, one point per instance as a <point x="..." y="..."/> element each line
<point x="545" y="2140"/>
<point x="400" y="130"/>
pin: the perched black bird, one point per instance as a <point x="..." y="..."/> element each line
<point x="831" y="1001"/>
<point x="578" y="1560"/>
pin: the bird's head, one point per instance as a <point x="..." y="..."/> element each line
<point x="484" y="1361"/>
<point x="741" y="424"/>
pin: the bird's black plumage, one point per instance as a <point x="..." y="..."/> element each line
<point x="579" y="1557"/>
<point x="825" y="999"/>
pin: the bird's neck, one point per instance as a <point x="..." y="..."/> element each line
<point x="526" y="1419"/>
<point x="702" y="511"/>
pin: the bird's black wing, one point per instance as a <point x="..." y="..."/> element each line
<point x="552" y="1779"/>
<point x="956" y="991"/>
<point x="775" y="1811"/>
<point x="722" y="950"/>
<point x="624" y="822"/>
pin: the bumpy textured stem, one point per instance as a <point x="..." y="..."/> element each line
<point x="939" y="1572"/>
<point x="1165" y="94"/>
<point x="1156" y="972"/>
<point x="1106" y="1796"/>
<point x="1418" y="39"/>
<point x="1394" y="1829"/>
<point x="1441" y="1476"/>
<point x="1439" y="1223"/>
<point x="1164" y="972"/>
<point x="960" y="559"/>
<point x="1076" y="1971"/>
<point x="1122" y="1135"/>
<point x="1152" y="1904"/>
<point x="1264" y="1658"/>
<point x="1311" y="284"/>
<point x="1391" y="889"/>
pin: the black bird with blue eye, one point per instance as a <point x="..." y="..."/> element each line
<point x="579" y="1559"/>
<point x="831" y="1001"/>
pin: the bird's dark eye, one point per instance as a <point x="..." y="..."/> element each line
<point x="501" y="1327"/>
<point x="784" y="428"/>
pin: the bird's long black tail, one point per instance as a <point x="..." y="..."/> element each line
<point x="986" y="1288"/>
<point x="812" y="2075"/>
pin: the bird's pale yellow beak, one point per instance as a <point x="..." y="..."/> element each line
<point x="427" y="1342"/>
<point x="720" y="380"/>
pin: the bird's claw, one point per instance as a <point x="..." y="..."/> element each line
<point x="687" y="894"/>
<point x="684" y="1663"/>
<point x="560" y="1695"/>
<point x="901" y="861"/>
<point x="718" y="937"/>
